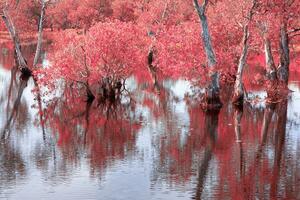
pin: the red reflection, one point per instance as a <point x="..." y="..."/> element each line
<point x="105" y="131"/>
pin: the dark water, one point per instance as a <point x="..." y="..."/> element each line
<point x="146" y="145"/>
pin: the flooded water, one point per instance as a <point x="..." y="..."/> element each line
<point x="146" y="145"/>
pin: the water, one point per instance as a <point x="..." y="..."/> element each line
<point x="148" y="145"/>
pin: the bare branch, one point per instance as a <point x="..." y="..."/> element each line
<point x="204" y="5"/>
<point x="199" y="8"/>
<point x="294" y="30"/>
<point x="292" y="36"/>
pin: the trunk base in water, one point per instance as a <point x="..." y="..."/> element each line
<point x="238" y="99"/>
<point x="90" y="98"/>
<point x="26" y="72"/>
<point x="89" y="94"/>
<point x="211" y="101"/>
<point x="276" y="91"/>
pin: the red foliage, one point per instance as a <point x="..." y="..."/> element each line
<point x="77" y="14"/>
<point x="113" y="50"/>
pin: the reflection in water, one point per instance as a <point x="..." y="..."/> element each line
<point x="104" y="131"/>
<point x="144" y="145"/>
<point x="210" y="129"/>
<point x="14" y="111"/>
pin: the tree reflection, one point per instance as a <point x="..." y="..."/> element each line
<point x="15" y="115"/>
<point x="241" y="172"/>
<point x="103" y="130"/>
<point x="211" y="130"/>
<point x="279" y="140"/>
<point x="12" y="165"/>
<point x="16" y="103"/>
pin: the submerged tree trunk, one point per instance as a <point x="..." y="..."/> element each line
<point x="212" y="96"/>
<point x="89" y="93"/>
<point x="283" y="68"/>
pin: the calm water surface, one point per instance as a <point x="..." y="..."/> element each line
<point x="146" y="145"/>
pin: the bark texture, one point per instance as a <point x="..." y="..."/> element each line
<point x="211" y="99"/>
<point x="270" y="65"/>
<point x="40" y="35"/>
<point x="283" y="68"/>
<point x="238" y="96"/>
<point x="22" y="63"/>
<point x="23" y="67"/>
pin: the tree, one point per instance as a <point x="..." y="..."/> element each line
<point x="66" y="14"/>
<point x="211" y="98"/>
<point x="102" y="58"/>
<point x="5" y="14"/>
<point x="238" y="96"/>
<point x="278" y="20"/>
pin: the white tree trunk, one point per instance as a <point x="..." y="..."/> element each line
<point x="40" y="35"/>
<point x="270" y="65"/>
<point x="14" y="36"/>
<point x="238" y="96"/>
<point x="238" y="86"/>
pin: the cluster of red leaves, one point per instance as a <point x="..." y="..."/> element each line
<point x="77" y="14"/>
<point x="113" y="50"/>
<point x="179" y="50"/>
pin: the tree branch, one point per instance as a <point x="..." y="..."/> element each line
<point x="206" y="37"/>
<point x="200" y="9"/>
<point x="204" y="5"/>
<point x="294" y="30"/>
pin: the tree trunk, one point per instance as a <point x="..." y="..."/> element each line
<point x="151" y="68"/>
<point x="238" y="96"/>
<point x="211" y="99"/>
<point x="40" y="35"/>
<point x="283" y="69"/>
<point x="23" y="67"/>
<point x="210" y="55"/>
<point x="89" y="94"/>
<point x="271" y="84"/>
<point x="270" y="65"/>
